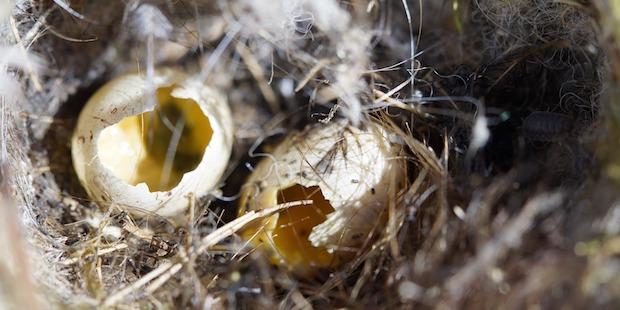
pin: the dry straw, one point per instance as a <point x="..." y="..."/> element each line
<point x="506" y="111"/>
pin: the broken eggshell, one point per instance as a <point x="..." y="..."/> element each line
<point x="148" y="156"/>
<point x="349" y="175"/>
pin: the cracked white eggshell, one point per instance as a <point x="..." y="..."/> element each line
<point x="124" y="96"/>
<point x="354" y="168"/>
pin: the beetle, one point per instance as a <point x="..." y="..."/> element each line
<point x="547" y="126"/>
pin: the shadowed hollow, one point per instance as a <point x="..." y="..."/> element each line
<point x="157" y="147"/>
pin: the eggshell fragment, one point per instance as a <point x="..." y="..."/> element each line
<point x="347" y="172"/>
<point x="149" y="155"/>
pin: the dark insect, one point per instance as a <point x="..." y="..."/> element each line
<point x="519" y="87"/>
<point x="547" y="126"/>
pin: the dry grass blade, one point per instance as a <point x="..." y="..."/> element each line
<point x="232" y="227"/>
<point x="509" y="237"/>
<point x="163" y="273"/>
<point x="505" y="113"/>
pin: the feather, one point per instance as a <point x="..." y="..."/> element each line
<point x="18" y="58"/>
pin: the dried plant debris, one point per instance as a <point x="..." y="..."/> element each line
<point x="473" y="164"/>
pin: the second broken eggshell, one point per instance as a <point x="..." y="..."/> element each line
<point x="345" y="174"/>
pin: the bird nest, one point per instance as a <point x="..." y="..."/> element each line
<point x="505" y="113"/>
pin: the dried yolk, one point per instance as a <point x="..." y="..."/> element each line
<point x="290" y="235"/>
<point x="157" y="147"/>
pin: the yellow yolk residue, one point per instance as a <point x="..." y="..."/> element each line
<point x="157" y="147"/>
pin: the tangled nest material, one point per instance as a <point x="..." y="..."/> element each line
<point x="507" y="108"/>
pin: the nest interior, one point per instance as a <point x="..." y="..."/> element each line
<point x="506" y="108"/>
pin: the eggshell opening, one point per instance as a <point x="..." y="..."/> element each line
<point x="294" y="225"/>
<point x="157" y="147"/>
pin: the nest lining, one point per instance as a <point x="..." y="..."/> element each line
<point x="506" y="224"/>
